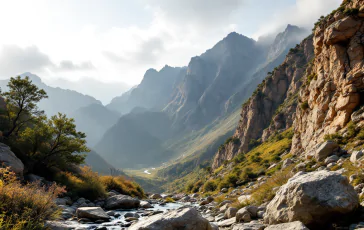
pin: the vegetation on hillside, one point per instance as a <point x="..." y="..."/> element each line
<point x="26" y="206"/>
<point x="48" y="147"/>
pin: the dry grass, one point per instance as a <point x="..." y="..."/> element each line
<point x="87" y="184"/>
<point x="122" y="185"/>
<point x="26" y="206"/>
<point x="265" y="192"/>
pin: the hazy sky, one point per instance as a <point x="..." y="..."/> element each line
<point x="118" y="40"/>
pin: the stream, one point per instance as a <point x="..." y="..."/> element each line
<point x="117" y="222"/>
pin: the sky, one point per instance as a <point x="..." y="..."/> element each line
<point x="116" y="41"/>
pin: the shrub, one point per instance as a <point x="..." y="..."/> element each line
<point x="351" y="11"/>
<point x="122" y="185"/>
<point x="335" y="137"/>
<point x="87" y="184"/>
<point x="169" y="200"/>
<point x="304" y="105"/>
<point x="209" y="186"/>
<point x="26" y="206"/>
<point x="239" y="158"/>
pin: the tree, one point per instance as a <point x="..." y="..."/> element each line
<point x="21" y="103"/>
<point x="54" y="141"/>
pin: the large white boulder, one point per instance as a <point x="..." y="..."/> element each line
<point x="182" y="218"/>
<point x="312" y="198"/>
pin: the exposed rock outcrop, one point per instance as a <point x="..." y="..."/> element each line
<point x="334" y="87"/>
<point x="279" y="87"/>
<point x="312" y="198"/>
<point x="8" y="159"/>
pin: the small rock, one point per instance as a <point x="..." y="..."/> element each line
<point x="224" y="190"/>
<point x="243" y="215"/>
<point x="95" y="213"/>
<point x="331" y="159"/>
<point x="230" y="213"/>
<point x="355" y="156"/>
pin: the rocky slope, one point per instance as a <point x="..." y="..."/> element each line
<point x="336" y="86"/>
<point x="279" y="87"/>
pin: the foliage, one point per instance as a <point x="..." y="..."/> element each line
<point x="87" y="184"/>
<point x="54" y="142"/>
<point x="21" y="101"/>
<point x="210" y="186"/>
<point x="311" y="77"/>
<point x="169" y="200"/>
<point x="254" y="143"/>
<point x="122" y="185"/>
<point x="304" y="105"/>
<point x="26" y="206"/>
<point x="351" y="11"/>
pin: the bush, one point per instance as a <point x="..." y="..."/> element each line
<point x="209" y="186"/>
<point x="304" y="105"/>
<point x="351" y="12"/>
<point x="26" y="206"/>
<point x="169" y="200"/>
<point x="87" y="185"/>
<point x="122" y="185"/>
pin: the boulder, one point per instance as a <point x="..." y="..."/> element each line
<point x="312" y="198"/>
<point x="145" y="204"/>
<point x="244" y="199"/>
<point x="224" y="190"/>
<point x="249" y="226"/>
<point x="121" y="202"/>
<point x="226" y="223"/>
<point x="8" y="159"/>
<point x="156" y="196"/>
<point x="243" y="215"/>
<point x="295" y="225"/>
<point x="94" y="213"/>
<point x="331" y="159"/>
<point x="230" y="213"/>
<point x="287" y="162"/>
<point x="356" y="155"/>
<point x="325" y="149"/>
<point x="182" y="218"/>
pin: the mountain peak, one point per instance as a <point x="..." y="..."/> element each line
<point x="34" y="78"/>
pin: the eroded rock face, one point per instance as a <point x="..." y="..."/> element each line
<point x="8" y="159"/>
<point x="312" y="198"/>
<point x="183" y="218"/>
<point x="336" y="88"/>
<point x="122" y="202"/>
<point x="280" y="87"/>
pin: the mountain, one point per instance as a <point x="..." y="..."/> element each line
<point x="97" y="163"/>
<point x="103" y="91"/>
<point x="319" y="100"/>
<point x="94" y="120"/>
<point x="59" y="100"/>
<point x="136" y="140"/>
<point x="199" y="102"/>
<point x="153" y="92"/>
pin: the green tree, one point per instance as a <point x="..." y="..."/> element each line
<point x="54" y="142"/>
<point x="21" y="103"/>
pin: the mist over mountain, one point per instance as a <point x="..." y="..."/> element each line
<point x="103" y="91"/>
<point x="210" y="89"/>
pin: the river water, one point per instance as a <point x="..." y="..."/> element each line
<point x="115" y="222"/>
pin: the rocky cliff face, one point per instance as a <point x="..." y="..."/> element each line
<point x="335" y="84"/>
<point x="330" y="64"/>
<point x="279" y="87"/>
